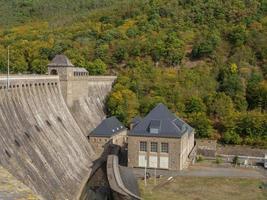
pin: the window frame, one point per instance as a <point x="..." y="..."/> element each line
<point x="141" y="147"/>
<point x="162" y="150"/>
<point x="155" y="145"/>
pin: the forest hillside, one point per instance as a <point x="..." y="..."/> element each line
<point x="205" y="59"/>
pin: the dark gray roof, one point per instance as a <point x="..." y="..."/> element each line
<point x="60" y="61"/>
<point x="108" y="127"/>
<point x="160" y="122"/>
<point x="136" y="120"/>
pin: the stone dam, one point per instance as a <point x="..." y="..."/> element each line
<point x="41" y="144"/>
<point x="44" y="124"/>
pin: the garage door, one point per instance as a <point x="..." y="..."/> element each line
<point x="142" y="161"/>
<point x="153" y="161"/>
<point x="164" y="162"/>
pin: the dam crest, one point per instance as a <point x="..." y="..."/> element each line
<point x="43" y="123"/>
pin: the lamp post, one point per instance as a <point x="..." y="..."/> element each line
<point x="145" y="169"/>
<point x="155" y="173"/>
<point x="8" y="67"/>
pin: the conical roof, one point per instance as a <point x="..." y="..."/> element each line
<point x="60" y="61"/>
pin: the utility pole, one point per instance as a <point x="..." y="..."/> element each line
<point x="8" y="67"/>
<point x="155" y="173"/>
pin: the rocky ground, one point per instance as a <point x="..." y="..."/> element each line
<point x="12" y="189"/>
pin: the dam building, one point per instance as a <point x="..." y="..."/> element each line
<point x="44" y="121"/>
<point x="160" y="140"/>
<point x="109" y="131"/>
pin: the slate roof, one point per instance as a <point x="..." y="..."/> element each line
<point x="108" y="127"/>
<point x="135" y="121"/>
<point x="60" y="61"/>
<point x="165" y="122"/>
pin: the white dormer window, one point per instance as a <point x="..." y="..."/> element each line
<point x="121" y="126"/>
<point x="154" y="130"/>
<point x="113" y="130"/>
<point x="154" y="126"/>
<point x="117" y="128"/>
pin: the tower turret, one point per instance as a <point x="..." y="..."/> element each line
<point x="62" y="66"/>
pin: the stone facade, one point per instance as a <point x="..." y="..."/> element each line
<point x="99" y="142"/>
<point x="178" y="150"/>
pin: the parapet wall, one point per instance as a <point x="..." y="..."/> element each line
<point x="40" y="142"/>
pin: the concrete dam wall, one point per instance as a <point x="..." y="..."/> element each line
<point x="84" y="95"/>
<point x="87" y="100"/>
<point x="40" y="142"/>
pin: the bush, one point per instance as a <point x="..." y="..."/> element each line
<point x="200" y="158"/>
<point x="205" y="46"/>
<point x="97" y="67"/>
<point x="236" y="160"/>
<point x="238" y="35"/>
<point x="231" y="137"/>
<point x="201" y="124"/>
<point x="218" y="160"/>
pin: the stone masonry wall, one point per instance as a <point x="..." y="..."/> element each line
<point x="174" y="150"/>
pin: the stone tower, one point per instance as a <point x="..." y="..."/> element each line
<point x="84" y="95"/>
<point x="61" y="65"/>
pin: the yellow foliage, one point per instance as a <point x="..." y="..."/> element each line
<point x="233" y="68"/>
<point x="128" y="24"/>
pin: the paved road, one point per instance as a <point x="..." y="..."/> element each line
<point x="205" y="171"/>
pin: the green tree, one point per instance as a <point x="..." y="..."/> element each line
<point x="97" y="67"/>
<point x="238" y="35"/>
<point x="205" y="46"/>
<point x="195" y="105"/>
<point x="201" y="124"/>
<point x="174" y="50"/>
<point x="253" y="91"/>
<point x="123" y="104"/>
<point x="120" y="54"/>
<point x="231" y="137"/>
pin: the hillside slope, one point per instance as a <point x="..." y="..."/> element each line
<point x="205" y="59"/>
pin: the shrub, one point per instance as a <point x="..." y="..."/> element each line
<point x="236" y="160"/>
<point x="218" y="160"/>
<point x="200" y="158"/>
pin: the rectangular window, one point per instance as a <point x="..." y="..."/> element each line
<point x="154" y="147"/>
<point x="164" y="147"/>
<point x="143" y="146"/>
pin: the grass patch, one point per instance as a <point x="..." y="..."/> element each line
<point x="202" y="188"/>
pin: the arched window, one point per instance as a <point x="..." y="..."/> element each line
<point x="53" y="72"/>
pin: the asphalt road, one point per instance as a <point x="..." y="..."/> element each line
<point x="206" y="171"/>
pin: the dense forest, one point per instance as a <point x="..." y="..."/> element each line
<point x="205" y="59"/>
